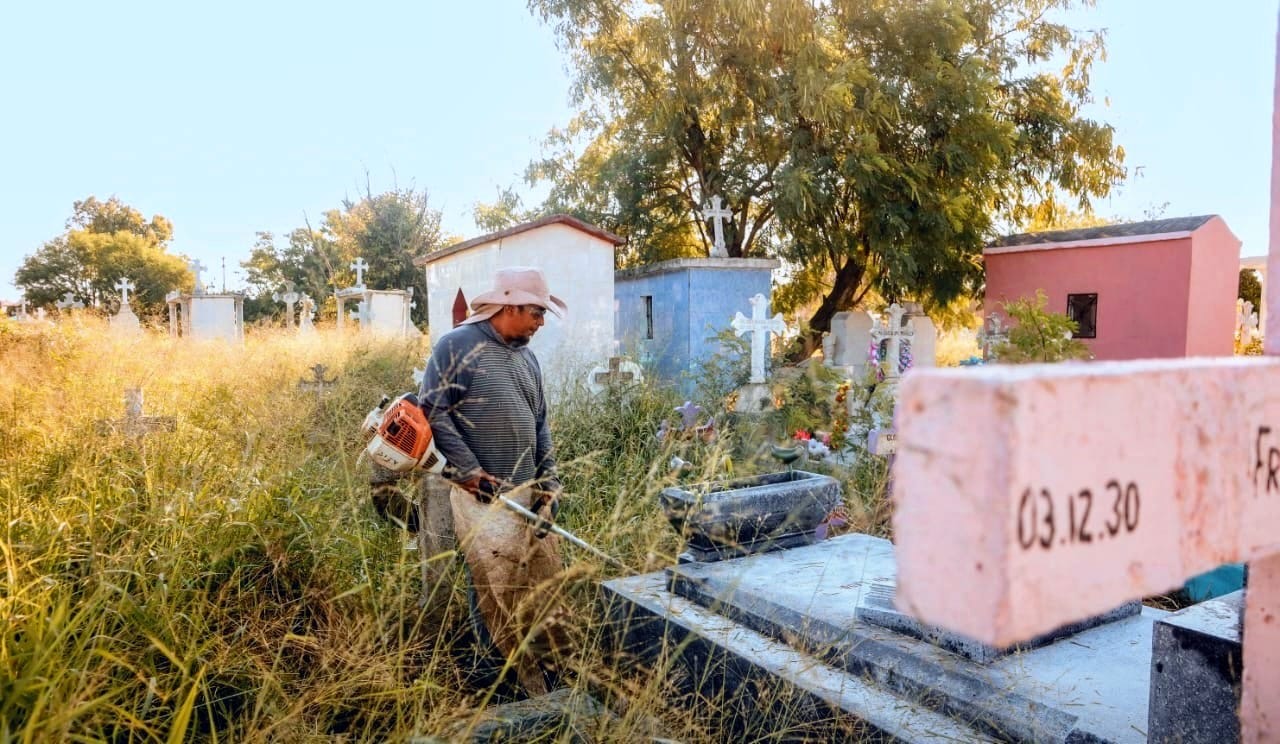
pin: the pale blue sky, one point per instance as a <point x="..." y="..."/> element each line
<point x="243" y="116"/>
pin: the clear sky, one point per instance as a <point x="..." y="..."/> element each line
<point x="235" y="117"/>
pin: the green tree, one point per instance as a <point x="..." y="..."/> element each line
<point x="1039" y="335"/>
<point x="1250" y="289"/>
<point x="507" y="210"/>
<point x="871" y="146"/>
<point x="105" y="242"/>
<point x="388" y="230"/>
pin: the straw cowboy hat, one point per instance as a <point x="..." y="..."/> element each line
<point x="516" y="285"/>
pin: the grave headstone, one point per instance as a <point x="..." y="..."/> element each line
<point x="924" y="337"/>
<point x="845" y="345"/>
<point x="306" y="316"/>
<point x="135" y="424"/>
<point x="68" y="303"/>
<point x="892" y="331"/>
<point x="756" y="396"/>
<point x="993" y="334"/>
<point x="124" y="321"/>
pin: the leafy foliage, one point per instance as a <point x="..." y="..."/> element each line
<point x="388" y="230"/>
<point x="105" y="242"/>
<point x="871" y="146"/>
<point x="1039" y="335"/>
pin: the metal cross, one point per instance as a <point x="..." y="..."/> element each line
<point x="318" y="383"/>
<point x="689" y="414"/>
<point x="717" y="215"/>
<point x="359" y="266"/>
<point x="759" y="326"/>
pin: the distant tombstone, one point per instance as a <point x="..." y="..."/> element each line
<point x="40" y="314"/>
<point x="689" y="413"/>
<point x="991" y="336"/>
<point x="845" y="345"/>
<point x="359" y="266"/>
<point x="619" y="372"/>
<point x="924" y="337"/>
<point x="124" y="321"/>
<point x="717" y="214"/>
<point x="317" y="384"/>
<point x="135" y="424"/>
<point x="1246" y="322"/>
<point x="893" y="332"/>
<point x="68" y="303"/>
<point x="306" y="316"/>
<point x="288" y="297"/>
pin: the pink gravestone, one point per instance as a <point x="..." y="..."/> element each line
<point x="1030" y="497"/>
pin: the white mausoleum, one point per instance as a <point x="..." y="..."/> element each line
<point x="577" y="260"/>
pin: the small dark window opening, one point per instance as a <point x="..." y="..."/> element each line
<point x="648" y="316"/>
<point x="1083" y="309"/>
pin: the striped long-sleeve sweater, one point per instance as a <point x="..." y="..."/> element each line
<point x="485" y="401"/>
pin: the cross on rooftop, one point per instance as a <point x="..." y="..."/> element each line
<point x="318" y="384"/>
<point x="198" y="268"/>
<point x="359" y="266"/>
<point x="124" y="285"/>
<point x="135" y="424"/>
<point x="759" y="326"/>
<point x="717" y="214"/>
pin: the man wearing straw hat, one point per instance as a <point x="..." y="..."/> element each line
<point x="484" y="398"/>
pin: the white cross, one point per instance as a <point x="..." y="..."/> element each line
<point x="893" y="330"/>
<point x="717" y="215"/>
<point x="1246" y="321"/>
<point x="68" y="302"/>
<point x="124" y="285"/>
<point x="359" y="266"/>
<point x="135" y="424"/>
<point x="198" y="268"/>
<point x="759" y="326"/>
<point x="288" y="298"/>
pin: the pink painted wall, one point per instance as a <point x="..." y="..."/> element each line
<point x="1142" y="292"/>
<point x="1215" y="279"/>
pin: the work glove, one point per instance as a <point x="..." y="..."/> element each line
<point x="483" y="486"/>
<point x="546" y="504"/>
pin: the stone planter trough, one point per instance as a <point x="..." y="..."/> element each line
<point x="726" y="519"/>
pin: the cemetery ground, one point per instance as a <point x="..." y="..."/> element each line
<point x="230" y="580"/>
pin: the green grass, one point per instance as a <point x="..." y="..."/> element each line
<point x="229" y="581"/>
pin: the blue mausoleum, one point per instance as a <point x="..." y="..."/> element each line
<point x="667" y="314"/>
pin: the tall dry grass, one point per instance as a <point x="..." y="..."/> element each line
<point x="230" y="581"/>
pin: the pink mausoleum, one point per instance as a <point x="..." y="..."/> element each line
<point x="1161" y="288"/>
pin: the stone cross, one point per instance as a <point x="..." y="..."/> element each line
<point x="991" y="336"/>
<point x="307" y="315"/>
<point x="893" y="330"/>
<point x="135" y="424"/>
<point x="124" y="285"/>
<point x="288" y="298"/>
<point x="198" y="268"/>
<point x="318" y="384"/>
<point x="359" y="266"/>
<point x="619" y="372"/>
<point x="1246" y="321"/>
<point x="68" y="302"/>
<point x="717" y="215"/>
<point x="759" y="326"/>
